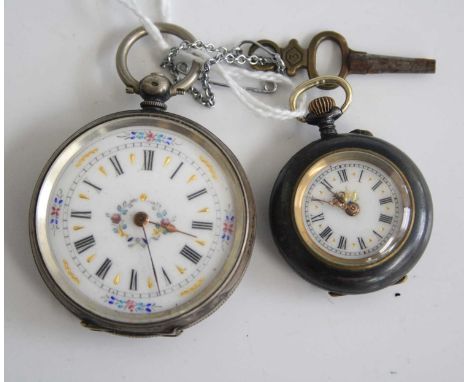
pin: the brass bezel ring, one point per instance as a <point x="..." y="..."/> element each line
<point x="317" y="82"/>
<point x="121" y="59"/>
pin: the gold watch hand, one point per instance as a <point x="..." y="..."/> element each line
<point x="170" y="228"/>
<point x="351" y="208"/>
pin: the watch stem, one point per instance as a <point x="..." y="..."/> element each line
<point x="323" y="113"/>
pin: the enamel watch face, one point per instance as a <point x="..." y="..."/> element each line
<point x="353" y="208"/>
<point x="143" y="219"/>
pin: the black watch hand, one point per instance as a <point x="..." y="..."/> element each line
<point x="151" y="258"/>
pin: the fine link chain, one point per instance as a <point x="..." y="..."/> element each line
<point x="206" y="96"/>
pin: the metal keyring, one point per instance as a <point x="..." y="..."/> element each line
<point x="319" y="81"/>
<point x="133" y="86"/>
<point x="312" y="55"/>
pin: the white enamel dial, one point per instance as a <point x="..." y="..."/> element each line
<point x="119" y="264"/>
<point x="354" y="208"/>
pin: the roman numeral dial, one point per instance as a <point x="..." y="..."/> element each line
<point x="190" y="254"/>
<point x="104" y="268"/>
<point x="202" y="225"/>
<point x="81" y="214"/>
<point x="85" y="243"/>
<point x="146" y="218"/>
<point x="343" y="175"/>
<point x="116" y="164"/>
<point x="133" y="280"/>
<point x="148" y="160"/>
<point x="349" y="210"/>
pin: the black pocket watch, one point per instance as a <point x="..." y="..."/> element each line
<point x="350" y="213"/>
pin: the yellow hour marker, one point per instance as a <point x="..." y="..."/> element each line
<point x="77" y="227"/>
<point x="201" y="242"/>
<point x="353" y="174"/>
<point x="132" y="158"/>
<point x="191" y="178"/>
<point x="85" y="157"/>
<point x="370" y="178"/>
<point x="180" y="269"/>
<point x="84" y="196"/>
<point x="90" y="259"/>
<point x="334" y="179"/>
<point x="370" y="240"/>
<point x="203" y="210"/>
<point x="354" y="244"/>
<point x="149" y="282"/>
<point x="70" y="273"/>
<point x="210" y="167"/>
<point x="193" y="288"/>
<point x="382" y="229"/>
<point x="102" y="170"/>
<point x="334" y="240"/>
<point x="167" y="160"/>
<point x="143" y="197"/>
<point x="117" y="279"/>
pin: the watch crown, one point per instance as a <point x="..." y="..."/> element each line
<point x="321" y="105"/>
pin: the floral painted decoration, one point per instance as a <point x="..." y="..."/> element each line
<point x="129" y="305"/>
<point x="119" y="223"/>
<point x="55" y="211"/>
<point x="149" y="136"/>
<point x="228" y="227"/>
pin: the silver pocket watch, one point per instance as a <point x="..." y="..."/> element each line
<point x="142" y="222"/>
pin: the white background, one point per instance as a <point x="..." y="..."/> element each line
<point x="276" y="327"/>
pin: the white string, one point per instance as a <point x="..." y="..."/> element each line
<point x="148" y="24"/>
<point x="254" y="103"/>
<point x="229" y="74"/>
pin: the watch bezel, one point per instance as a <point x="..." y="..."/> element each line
<point x="350" y="154"/>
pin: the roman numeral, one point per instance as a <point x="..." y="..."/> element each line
<point x="190" y="254"/>
<point x="166" y="276"/>
<point x="84" y="244"/>
<point x="92" y="185"/>
<point x="377" y="234"/>
<point x="386" y="200"/>
<point x="377" y="185"/>
<point x="326" y="233"/>
<point x="327" y="185"/>
<point x="342" y="242"/>
<point x="148" y="160"/>
<point x="360" y="176"/>
<point x="104" y="268"/>
<point x="343" y="175"/>
<point x="134" y="280"/>
<point x="176" y="170"/>
<point x="361" y="242"/>
<point x="316" y="218"/>
<point x="202" y="225"/>
<point x="81" y="214"/>
<point x="196" y="194"/>
<point x="117" y="167"/>
<point x="385" y="219"/>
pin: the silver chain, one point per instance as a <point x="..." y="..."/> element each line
<point x="205" y="95"/>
